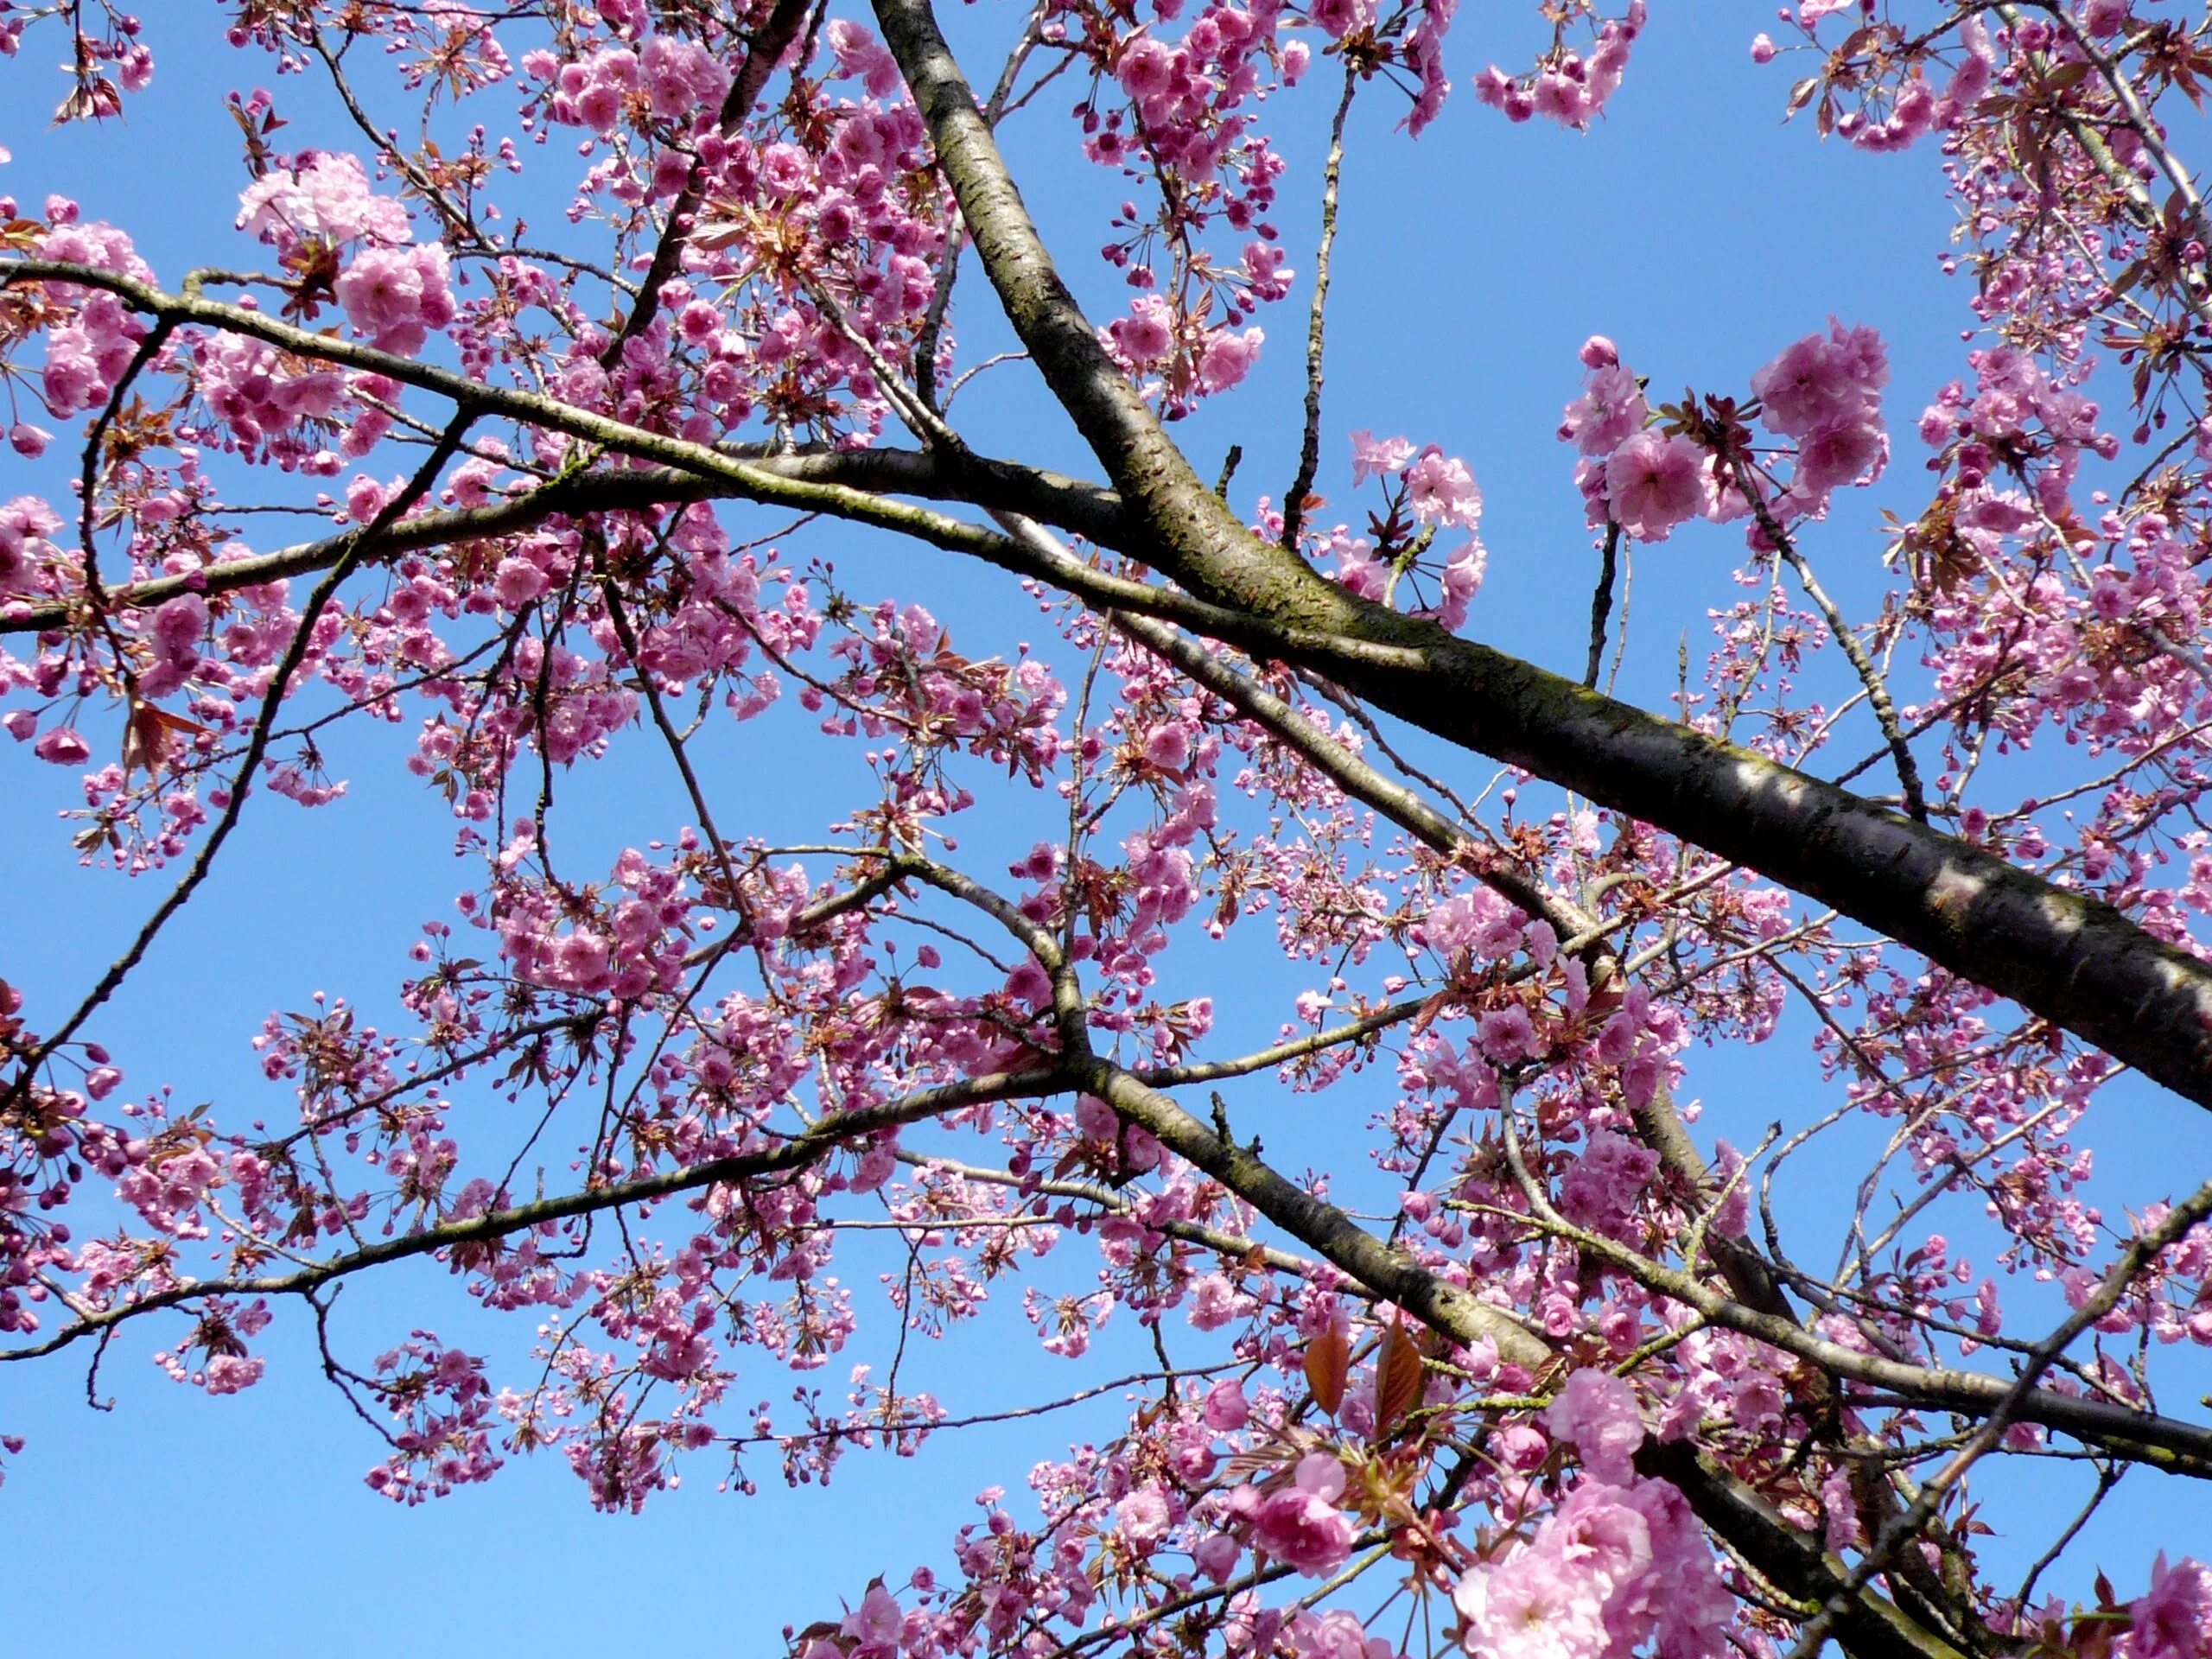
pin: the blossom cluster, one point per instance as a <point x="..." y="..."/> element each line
<point x="1822" y="395"/>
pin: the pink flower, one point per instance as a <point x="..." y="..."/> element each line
<point x="1372" y="457"/>
<point x="1225" y="1406"/>
<point x="1506" y="1035"/>
<point x="517" y="581"/>
<point x="1228" y="358"/>
<point x="1337" y="18"/>
<point x="1563" y="99"/>
<point x="1460" y="581"/>
<point x="1300" y="1526"/>
<point x="396" y="295"/>
<point x="64" y="746"/>
<point x="2105" y="16"/>
<point x="233" y="1373"/>
<point x="1597" y="1411"/>
<point x="1600" y="1190"/>
<point x="2174" y="1619"/>
<point x="1146" y="67"/>
<point x="877" y="1622"/>
<point x="1610" y="409"/>
<point x="1836" y="455"/>
<point x="1169" y="747"/>
<point x="1216" y="1555"/>
<point x="1145" y="336"/>
<point x="1654" y="483"/>
<point x="1441" y="490"/>
<point x="1213" y="1302"/>
<point x="179" y="625"/>
<point x="1822" y="379"/>
<point x="1143" y="1517"/>
<point x="328" y="198"/>
<point x="1531" y="1607"/>
<point x="1337" y="1634"/>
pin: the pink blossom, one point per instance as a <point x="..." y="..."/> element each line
<point x="233" y="1373"/>
<point x="2103" y="17"/>
<point x="1145" y="336"/>
<point x="1830" y="456"/>
<point x="1822" y="380"/>
<point x="1460" y="580"/>
<point x="1169" y="747"/>
<point x="2173" y="1619"/>
<point x="1612" y="408"/>
<point x="1597" y="1411"/>
<point x="1531" y="1607"/>
<point x="1228" y="357"/>
<point x="326" y="197"/>
<point x="1440" y="490"/>
<point x="1372" y="457"/>
<point x="1337" y="18"/>
<point x="876" y="1623"/>
<point x="1225" y="1406"/>
<point x="64" y="746"/>
<point x="396" y="296"/>
<point x="1145" y="66"/>
<point x="1653" y="483"/>
<point x="517" y="581"/>
<point x="1213" y="1302"/>
<point x="1301" y="1525"/>
<point x="1142" y="1518"/>
<point x="1506" y="1035"/>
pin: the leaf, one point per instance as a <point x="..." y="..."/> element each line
<point x="1328" y="1358"/>
<point x="1397" y="1379"/>
<point x="146" y="736"/>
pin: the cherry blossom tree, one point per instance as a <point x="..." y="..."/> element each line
<point x="1572" y="1392"/>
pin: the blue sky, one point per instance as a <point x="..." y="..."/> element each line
<point x="1688" y="226"/>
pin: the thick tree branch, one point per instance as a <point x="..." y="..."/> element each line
<point x="2070" y="958"/>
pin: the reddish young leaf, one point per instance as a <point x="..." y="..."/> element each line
<point x="1328" y="1358"/>
<point x="1397" y="1379"/>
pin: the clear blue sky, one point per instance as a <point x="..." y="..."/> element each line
<point x="1688" y="226"/>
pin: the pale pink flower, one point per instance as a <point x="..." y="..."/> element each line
<point x="1506" y="1035"/>
<point x="1228" y="357"/>
<point x="1822" y="379"/>
<point x="1597" y="1411"/>
<point x="1440" y="490"/>
<point x="2173" y="1620"/>
<point x="64" y="746"/>
<point x="233" y="1373"/>
<point x="1835" y="454"/>
<point x="1337" y="18"/>
<point x="1145" y="336"/>
<point x="1146" y="67"/>
<point x="327" y="198"/>
<point x="1300" y="1526"/>
<point x="1610" y="409"/>
<point x="1372" y="457"/>
<point x="1654" y="483"/>
<point x="1530" y="1607"/>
